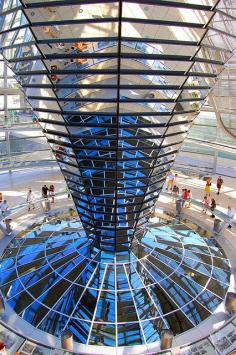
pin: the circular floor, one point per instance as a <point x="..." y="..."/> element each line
<point x="54" y="278"/>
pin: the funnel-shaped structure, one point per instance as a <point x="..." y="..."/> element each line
<point x="116" y="85"/>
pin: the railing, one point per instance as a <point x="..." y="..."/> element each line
<point x="39" y="203"/>
<point x="217" y="212"/>
<point x="11" y="165"/>
<point x="220" y="342"/>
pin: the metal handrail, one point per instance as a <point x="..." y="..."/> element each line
<point x="16" y="209"/>
<point x="217" y="212"/>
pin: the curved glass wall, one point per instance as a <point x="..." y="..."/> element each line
<point x="224" y="98"/>
<point x="22" y="142"/>
<point x="207" y="149"/>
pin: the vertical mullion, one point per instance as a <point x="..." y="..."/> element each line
<point x="131" y="292"/>
<point x="95" y="309"/>
<point x="117" y="116"/>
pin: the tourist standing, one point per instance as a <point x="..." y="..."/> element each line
<point x="175" y="193"/>
<point x="68" y="192"/>
<point x="207" y="188"/>
<point x="230" y="215"/>
<point x="189" y="200"/>
<point x="219" y="184"/>
<point x="205" y="204"/>
<point x="4" y="207"/>
<point x="52" y="192"/>
<point x="30" y="200"/>
<point x="185" y="196"/>
<point x="213" y="207"/>
<point x="45" y="191"/>
<point x="171" y="180"/>
<point x="176" y="179"/>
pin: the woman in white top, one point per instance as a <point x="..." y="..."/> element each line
<point x="4" y="207"/>
<point x="30" y="199"/>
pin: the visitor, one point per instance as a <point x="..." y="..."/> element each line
<point x="52" y="192"/>
<point x="1" y="197"/>
<point x="3" y="350"/>
<point x="212" y="207"/>
<point x="175" y="193"/>
<point x="182" y="197"/>
<point x="60" y="149"/>
<point x="176" y="177"/>
<point x="185" y="197"/>
<point x="8" y="228"/>
<point x="45" y="191"/>
<point x="230" y="216"/>
<point x="30" y="200"/>
<point x="189" y="199"/>
<point x="219" y="184"/>
<point x="205" y="204"/>
<point x="207" y="188"/>
<point x="35" y="120"/>
<point x="4" y="207"/>
<point x="68" y="192"/>
<point x="178" y="206"/>
<point x="170" y="182"/>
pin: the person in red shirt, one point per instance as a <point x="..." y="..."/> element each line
<point x="185" y="195"/>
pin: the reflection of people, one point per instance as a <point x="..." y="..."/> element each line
<point x="60" y="148"/>
<point x="79" y="61"/>
<point x="8" y="230"/>
<point x="54" y="78"/>
<point x="35" y="119"/>
<point x="80" y="46"/>
<point x="50" y="31"/>
<point x="107" y="311"/>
